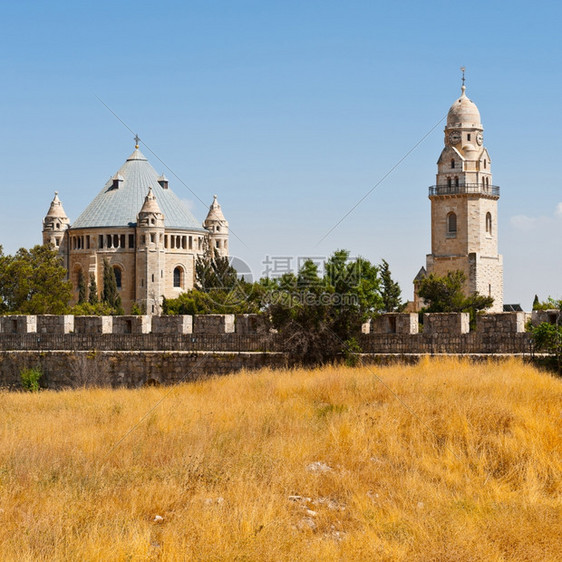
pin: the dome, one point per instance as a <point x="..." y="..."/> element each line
<point x="119" y="207"/>
<point x="463" y="113"/>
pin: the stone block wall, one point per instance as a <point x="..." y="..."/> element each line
<point x="214" y="324"/>
<point x="93" y="324"/>
<point x="53" y="324"/>
<point x="540" y="316"/>
<point x="251" y="324"/>
<point x="395" y="323"/>
<point x="181" y="324"/>
<point x="501" y="323"/>
<point x="132" y="324"/>
<point x="450" y="323"/>
<point x="18" y="324"/>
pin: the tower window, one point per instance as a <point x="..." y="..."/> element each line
<point x="485" y="162"/>
<point x="448" y="182"/>
<point x="456" y="181"/>
<point x="452" y="224"/>
<point x="468" y="137"/>
<point x="489" y="223"/>
<point x="178" y="274"/>
<point x="131" y="240"/>
<point x="453" y="163"/>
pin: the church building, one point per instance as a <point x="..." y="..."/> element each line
<point x="464" y="207"/>
<point x="145" y="231"/>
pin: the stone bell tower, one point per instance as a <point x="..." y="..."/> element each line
<point x="464" y="206"/>
<point x="150" y="260"/>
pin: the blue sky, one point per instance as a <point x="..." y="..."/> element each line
<point x="290" y="111"/>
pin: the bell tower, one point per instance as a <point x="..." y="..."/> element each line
<point x="464" y="206"/>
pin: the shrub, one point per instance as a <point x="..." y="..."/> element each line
<point x="30" y="379"/>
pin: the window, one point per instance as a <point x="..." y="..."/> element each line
<point x="131" y="240"/>
<point x="152" y="237"/>
<point x="100" y="241"/>
<point x="453" y="163"/>
<point x="456" y="181"/>
<point x="122" y="241"/>
<point x="191" y="243"/>
<point x="178" y="274"/>
<point x="217" y="244"/>
<point x="452" y="224"/>
<point x="448" y="182"/>
<point x="118" y="277"/>
<point x="468" y="137"/>
<point x="488" y="223"/>
<point x="485" y="162"/>
<point x="165" y="240"/>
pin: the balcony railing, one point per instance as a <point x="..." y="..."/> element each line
<point x="491" y="190"/>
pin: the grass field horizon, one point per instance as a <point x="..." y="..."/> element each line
<point x="444" y="460"/>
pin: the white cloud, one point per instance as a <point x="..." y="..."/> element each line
<point x="523" y="222"/>
<point x="526" y="224"/>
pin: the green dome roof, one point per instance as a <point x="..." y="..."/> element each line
<point x="119" y="206"/>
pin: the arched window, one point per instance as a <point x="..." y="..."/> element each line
<point x="118" y="276"/>
<point x="489" y="223"/>
<point x="448" y="182"/>
<point x="452" y="162"/>
<point x="487" y="182"/>
<point x="456" y="181"/>
<point x="178" y="274"/>
<point x="485" y="163"/>
<point x="451" y="224"/>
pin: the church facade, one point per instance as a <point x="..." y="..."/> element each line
<point x="143" y="229"/>
<point x="464" y="207"/>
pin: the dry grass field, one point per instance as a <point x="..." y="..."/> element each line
<point x="323" y="464"/>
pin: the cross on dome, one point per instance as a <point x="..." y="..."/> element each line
<point x="137" y="140"/>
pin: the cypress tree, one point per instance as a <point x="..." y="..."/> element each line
<point x="110" y="295"/>
<point x="93" y="288"/>
<point x="81" y="288"/>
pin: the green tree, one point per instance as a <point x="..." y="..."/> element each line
<point x="445" y="294"/>
<point x="33" y="282"/>
<point x="390" y="290"/>
<point x="110" y="294"/>
<point x="548" y="336"/>
<point x="93" y="290"/>
<point x="536" y="303"/>
<point x="320" y="316"/>
<point x="81" y="288"/>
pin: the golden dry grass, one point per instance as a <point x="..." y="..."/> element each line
<point x="474" y="475"/>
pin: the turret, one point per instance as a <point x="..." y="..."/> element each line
<point x="217" y="226"/>
<point x="150" y="261"/>
<point x="55" y="225"/>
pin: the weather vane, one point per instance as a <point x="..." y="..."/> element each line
<point x="463" y="69"/>
<point x="137" y="140"/>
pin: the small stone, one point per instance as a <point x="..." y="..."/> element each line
<point x="158" y="519"/>
<point x="318" y="466"/>
<point x="311" y="513"/>
<point x="420" y="505"/>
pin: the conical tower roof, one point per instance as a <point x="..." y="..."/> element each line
<point x="215" y="212"/>
<point x="56" y="210"/>
<point x="118" y="206"/>
<point x="150" y="204"/>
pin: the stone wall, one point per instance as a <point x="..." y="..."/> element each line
<point x="446" y="323"/>
<point x="65" y="369"/>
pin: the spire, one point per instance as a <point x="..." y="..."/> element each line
<point x="150" y="204"/>
<point x="463" y="87"/>
<point x="56" y="210"/>
<point x="137" y="139"/>
<point x="215" y="212"/>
